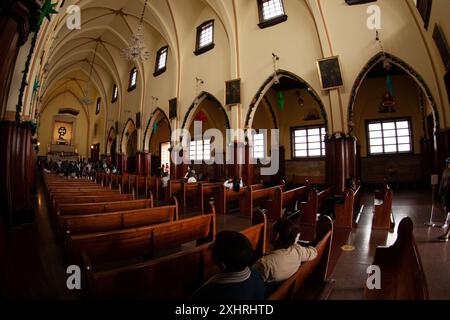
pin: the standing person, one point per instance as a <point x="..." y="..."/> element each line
<point x="232" y="253"/>
<point x="444" y="191"/>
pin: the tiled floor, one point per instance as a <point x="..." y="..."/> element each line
<point x="32" y="264"/>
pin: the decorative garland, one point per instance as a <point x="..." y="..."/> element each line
<point x="310" y="90"/>
<point x="362" y="75"/>
<point x="46" y="11"/>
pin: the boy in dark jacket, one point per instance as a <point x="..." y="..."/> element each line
<point x="232" y="253"/>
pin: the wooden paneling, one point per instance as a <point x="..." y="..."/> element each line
<point x="17" y="172"/>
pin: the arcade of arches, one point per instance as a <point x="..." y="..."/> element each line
<point x="80" y="99"/>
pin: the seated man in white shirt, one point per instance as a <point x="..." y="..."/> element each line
<point x="236" y="184"/>
<point x="287" y="256"/>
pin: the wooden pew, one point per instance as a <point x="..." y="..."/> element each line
<point x="108" y="221"/>
<point x="176" y="276"/>
<point x="311" y="206"/>
<point x="345" y="212"/>
<point x="153" y="184"/>
<point x="174" y="188"/>
<point x="256" y="197"/>
<point x="229" y="195"/>
<point x="211" y="190"/>
<point x="314" y="271"/>
<point x="286" y="200"/>
<point x="402" y="273"/>
<point x="85" y="208"/>
<point x="383" y="217"/>
<point x="140" y="243"/>
<point x="191" y="193"/>
<point x="308" y="180"/>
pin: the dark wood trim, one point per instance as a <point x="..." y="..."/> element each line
<point x="273" y="22"/>
<point x="199" y="50"/>
<point x="368" y="121"/>
<point x="158" y="56"/>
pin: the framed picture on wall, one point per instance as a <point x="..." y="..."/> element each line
<point x="330" y="73"/>
<point x="138" y="120"/>
<point x="424" y="8"/>
<point x="442" y="45"/>
<point x="233" y="92"/>
<point x="172" y="108"/>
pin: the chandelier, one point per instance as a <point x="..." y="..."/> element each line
<point x="86" y="99"/>
<point x="136" y="49"/>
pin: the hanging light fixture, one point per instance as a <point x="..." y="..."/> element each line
<point x="386" y="62"/>
<point x="275" y="58"/>
<point x="136" y="49"/>
<point x="86" y="99"/>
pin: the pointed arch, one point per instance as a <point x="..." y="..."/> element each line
<point x="129" y="128"/>
<point x="405" y="67"/>
<point x="151" y="121"/>
<point x="188" y="117"/>
<point x="109" y="140"/>
<point x="268" y="84"/>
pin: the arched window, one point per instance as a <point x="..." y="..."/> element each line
<point x="99" y="103"/>
<point x="161" y="61"/>
<point x="115" y="93"/>
<point x="271" y="12"/>
<point x="133" y="79"/>
<point x="205" y="37"/>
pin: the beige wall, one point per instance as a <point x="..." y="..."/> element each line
<point x="314" y="29"/>
<point x="407" y="104"/>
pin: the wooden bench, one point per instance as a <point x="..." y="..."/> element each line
<point x="211" y="191"/>
<point x="402" y="273"/>
<point x="108" y="221"/>
<point x="256" y="197"/>
<point x="286" y="201"/>
<point x="311" y="206"/>
<point x="229" y="195"/>
<point x="140" y="243"/>
<point x="347" y="214"/>
<point x="191" y="193"/>
<point x="383" y="217"/>
<point x="173" y="277"/>
<point x="314" y="271"/>
<point x="308" y="180"/>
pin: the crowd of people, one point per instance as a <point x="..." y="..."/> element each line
<point x="75" y="169"/>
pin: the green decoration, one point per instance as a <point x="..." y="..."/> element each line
<point x="389" y="85"/>
<point x="47" y="10"/>
<point x="281" y="100"/>
<point x="155" y="127"/>
<point x="36" y="86"/>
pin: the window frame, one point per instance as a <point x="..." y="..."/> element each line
<point x="158" y="56"/>
<point x="264" y="146"/>
<point x="388" y="154"/>
<point x="114" y="96"/>
<point x="293" y="129"/>
<point x="203" y="151"/>
<point x="130" y="86"/>
<point x="273" y="21"/>
<point x="98" y="105"/>
<point x="199" y="50"/>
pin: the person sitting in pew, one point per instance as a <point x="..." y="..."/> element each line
<point x="236" y="184"/>
<point x="330" y="202"/>
<point x="286" y="257"/>
<point x="165" y="180"/>
<point x="232" y="253"/>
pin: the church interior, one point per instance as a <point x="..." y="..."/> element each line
<point x="147" y="144"/>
